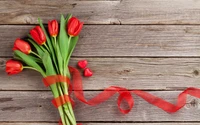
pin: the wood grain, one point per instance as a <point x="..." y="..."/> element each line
<point x="122" y="41"/>
<point x="174" y="123"/>
<point x="103" y="12"/>
<point x="36" y="106"/>
<point x="132" y="73"/>
<point x="139" y="56"/>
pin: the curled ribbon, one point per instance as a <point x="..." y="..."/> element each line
<point x="124" y="94"/>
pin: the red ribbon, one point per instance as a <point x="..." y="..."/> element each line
<point x="61" y="100"/>
<point x="124" y="94"/>
<point x="49" y="80"/>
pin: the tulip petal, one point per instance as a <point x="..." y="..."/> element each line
<point x="50" y="28"/>
<point x="40" y="33"/>
<point x="78" y="29"/>
<point x="72" y="27"/>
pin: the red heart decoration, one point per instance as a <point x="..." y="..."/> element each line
<point x="87" y="72"/>
<point x="82" y="64"/>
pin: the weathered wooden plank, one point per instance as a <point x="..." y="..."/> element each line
<point x="103" y="12"/>
<point x="36" y="106"/>
<point x="174" y="123"/>
<point x="132" y="73"/>
<point x="125" y="40"/>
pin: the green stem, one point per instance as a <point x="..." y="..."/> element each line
<point x="69" y="112"/>
<point x="67" y="121"/>
<point x="66" y="73"/>
<point x="46" y="46"/>
<point x="72" y="120"/>
<point x="62" y="115"/>
<point x="68" y="105"/>
<point x="32" y="42"/>
<point x="70" y="37"/>
<point x="63" y="89"/>
<point x="35" y="54"/>
<point x="55" y="55"/>
<point x="61" y="94"/>
<point x="55" y="40"/>
<point x="56" y="94"/>
<point x="27" y="67"/>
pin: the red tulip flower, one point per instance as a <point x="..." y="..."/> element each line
<point x="74" y="26"/>
<point x="22" y="46"/>
<point x="13" y="67"/>
<point x="38" y="35"/>
<point x="53" y="28"/>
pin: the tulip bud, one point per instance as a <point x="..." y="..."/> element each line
<point x="53" y="28"/>
<point x="74" y="26"/>
<point x="22" y="46"/>
<point x="13" y="67"/>
<point x="38" y="35"/>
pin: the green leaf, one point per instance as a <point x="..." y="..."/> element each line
<point x="68" y="17"/>
<point x="28" y="60"/>
<point x="39" y="48"/>
<point x="60" y="60"/>
<point x="36" y="59"/>
<point x="63" y="40"/>
<point x="17" y="58"/>
<point x="73" y="43"/>
<point x="72" y="46"/>
<point x="48" y="64"/>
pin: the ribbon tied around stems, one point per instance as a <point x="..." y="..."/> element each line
<point x="49" y="80"/>
<point x="124" y="94"/>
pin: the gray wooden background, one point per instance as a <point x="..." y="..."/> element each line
<point x="153" y="45"/>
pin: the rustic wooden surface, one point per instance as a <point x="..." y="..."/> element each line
<point x="153" y="45"/>
<point x="122" y="40"/>
<point x="132" y="73"/>
<point x="33" y="106"/>
<point x="104" y="123"/>
<point x="103" y="11"/>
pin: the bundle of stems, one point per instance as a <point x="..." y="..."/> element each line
<point x="49" y="53"/>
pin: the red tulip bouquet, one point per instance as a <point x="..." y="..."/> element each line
<point x="49" y="54"/>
